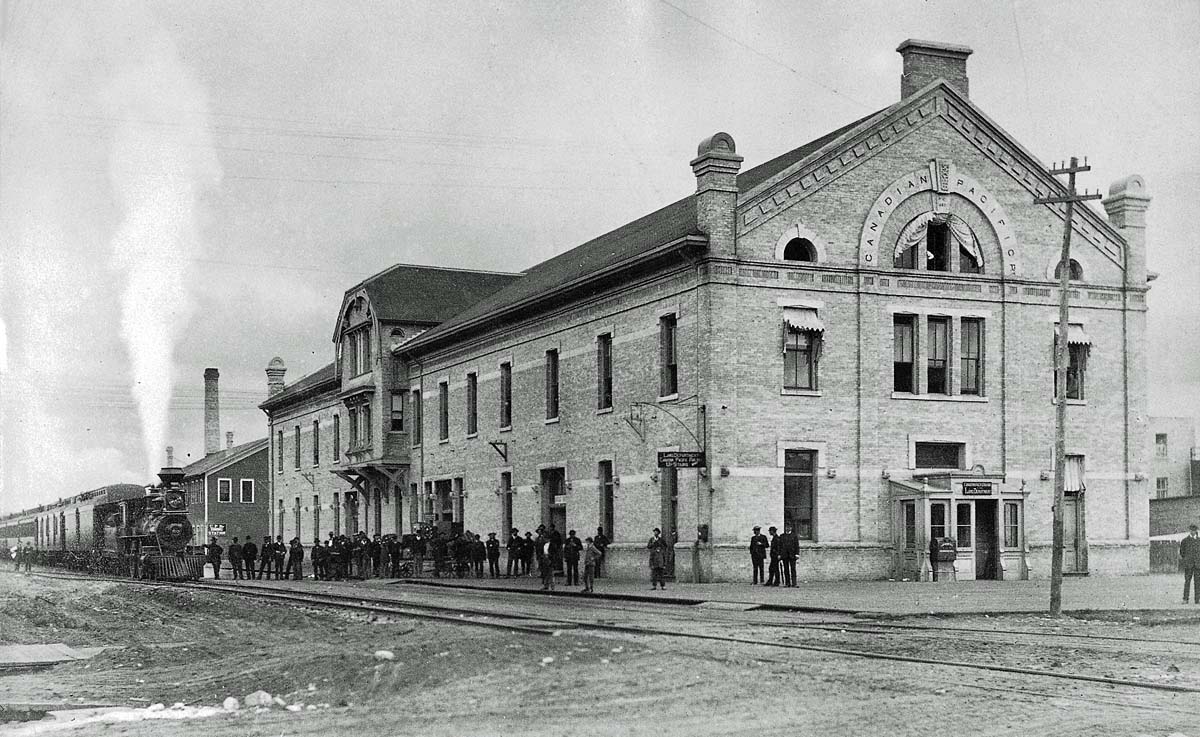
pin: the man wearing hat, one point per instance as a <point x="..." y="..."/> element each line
<point x="1189" y="560"/>
<point x="776" y="548"/>
<point x="758" y="552"/>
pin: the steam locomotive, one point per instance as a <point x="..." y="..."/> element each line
<point x="119" y="530"/>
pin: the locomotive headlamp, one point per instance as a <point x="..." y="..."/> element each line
<point x="174" y="500"/>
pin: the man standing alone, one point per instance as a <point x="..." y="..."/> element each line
<point x="1189" y="559"/>
<point x="658" y="560"/>
<point x="266" y="557"/>
<point x="249" y="555"/>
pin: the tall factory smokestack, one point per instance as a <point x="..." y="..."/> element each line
<point x="212" y="412"/>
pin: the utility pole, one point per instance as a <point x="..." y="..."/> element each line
<point x="1060" y="371"/>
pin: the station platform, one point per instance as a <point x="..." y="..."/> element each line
<point x="1080" y="594"/>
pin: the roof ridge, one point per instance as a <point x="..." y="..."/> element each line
<point x="459" y="269"/>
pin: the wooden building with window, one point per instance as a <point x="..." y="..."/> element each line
<point x="854" y="339"/>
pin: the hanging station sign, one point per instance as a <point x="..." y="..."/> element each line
<point x="681" y="459"/>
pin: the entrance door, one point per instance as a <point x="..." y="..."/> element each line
<point x="670" y="514"/>
<point x="987" y="544"/>
<point x="1074" y="544"/>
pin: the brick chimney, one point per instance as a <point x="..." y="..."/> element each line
<point x="212" y="412"/>
<point x="928" y="61"/>
<point x="228" y="440"/>
<point x="1126" y="206"/>
<point x="716" y="168"/>
<point x="275" y="372"/>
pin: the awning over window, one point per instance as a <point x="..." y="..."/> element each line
<point x="1076" y="336"/>
<point x="1073" y="474"/>
<point x="802" y="320"/>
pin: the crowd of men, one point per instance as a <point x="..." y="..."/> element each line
<point x="783" y="551"/>
<point x="455" y="553"/>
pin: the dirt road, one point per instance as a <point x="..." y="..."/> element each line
<point x="199" y="648"/>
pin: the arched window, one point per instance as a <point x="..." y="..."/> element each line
<point x="931" y="241"/>
<point x="800" y="249"/>
<point x="1076" y="273"/>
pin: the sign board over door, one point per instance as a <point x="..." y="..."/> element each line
<point x="976" y="488"/>
<point x="681" y="459"/>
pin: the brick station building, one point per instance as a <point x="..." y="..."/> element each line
<point x="854" y="338"/>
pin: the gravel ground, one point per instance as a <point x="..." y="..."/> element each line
<point x="199" y="648"/>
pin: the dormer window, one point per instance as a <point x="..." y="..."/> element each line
<point x="357" y="352"/>
<point x="800" y="249"/>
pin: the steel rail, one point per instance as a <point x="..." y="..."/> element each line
<point x="395" y="608"/>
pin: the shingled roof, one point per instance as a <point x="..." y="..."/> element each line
<point x="428" y="294"/>
<point x="661" y="227"/>
<point x="221" y="458"/>
<point x="302" y="387"/>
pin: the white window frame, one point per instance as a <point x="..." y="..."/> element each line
<point x="242" y="491"/>
<point x="229" y="484"/>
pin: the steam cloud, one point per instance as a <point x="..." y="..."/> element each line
<point x="161" y="160"/>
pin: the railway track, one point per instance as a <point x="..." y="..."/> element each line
<point x="532" y="617"/>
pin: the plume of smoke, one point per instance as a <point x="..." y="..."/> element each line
<point x="161" y="160"/>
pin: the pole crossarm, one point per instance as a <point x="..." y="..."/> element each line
<point x="1067" y="198"/>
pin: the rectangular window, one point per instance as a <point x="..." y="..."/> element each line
<point x="607" y="488"/>
<point x="316" y="509"/>
<point x="1012" y="525"/>
<point x="551" y="384"/>
<point x="429" y="500"/>
<point x="337" y="514"/>
<point x="365" y="415"/>
<point x="296" y="435"/>
<point x="397" y="419"/>
<point x="938" y="375"/>
<point x="365" y="337"/>
<point x="443" y="411"/>
<point x="799" y="368"/>
<point x="279" y="451"/>
<point x="1162" y="487"/>
<point x="1077" y="354"/>
<point x="337" y="438"/>
<point x="224" y="491"/>
<point x="1160" y="445"/>
<point x="972" y="356"/>
<point x="417" y="420"/>
<point x="962" y="525"/>
<point x="316" y="442"/>
<point x="353" y="414"/>
<point x="604" y="390"/>
<point x="910" y="524"/>
<point x="799" y="492"/>
<point x="938" y="244"/>
<point x="940" y="455"/>
<point x="296" y="515"/>
<point x="506" y="504"/>
<point x="472" y="403"/>
<point x="668" y="378"/>
<point x="937" y="520"/>
<point x="1073" y="475"/>
<point x="505" y="395"/>
<point x="350" y="352"/>
<point x="903" y="350"/>
<point x="247" y="491"/>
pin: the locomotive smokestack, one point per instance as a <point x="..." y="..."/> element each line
<point x="170" y="473"/>
<point x="212" y="412"/>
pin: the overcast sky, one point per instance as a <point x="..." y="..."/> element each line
<point x="185" y="184"/>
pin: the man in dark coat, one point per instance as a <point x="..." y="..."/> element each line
<point x="393" y="555"/>
<point x="418" y="553"/>
<point x="280" y="556"/>
<point x="514" y="546"/>
<point x="1189" y="559"/>
<point x="601" y="541"/>
<point x="375" y="553"/>
<point x="544" y="549"/>
<point x="478" y="555"/>
<point x="295" y="563"/>
<point x="776" y="550"/>
<point x="213" y="556"/>
<point x="789" y="550"/>
<point x="758" y="553"/>
<point x="556" y="547"/>
<point x="572" y="547"/>
<point x="658" y="560"/>
<point x="249" y="555"/>
<point x="528" y="552"/>
<point x="493" y="555"/>
<point x="266" y="557"/>
<point x="235" y="559"/>
<point x="320" y="556"/>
